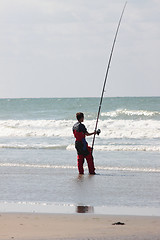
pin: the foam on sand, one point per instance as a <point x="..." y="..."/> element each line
<point x="129" y="169"/>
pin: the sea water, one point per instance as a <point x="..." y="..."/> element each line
<point x="38" y="163"/>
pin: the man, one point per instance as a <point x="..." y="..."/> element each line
<point x="83" y="150"/>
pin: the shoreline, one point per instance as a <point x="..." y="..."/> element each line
<point x="66" y="208"/>
<point x="36" y="226"/>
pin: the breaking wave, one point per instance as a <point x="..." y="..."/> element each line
<point x="71" y="147"/>
<point x="132" y="113"/>
<point x="33" y="146"/>
<point x="130" y="148"/>
<point x="137" y="129"/>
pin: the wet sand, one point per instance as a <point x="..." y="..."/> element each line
<point x="83" y="226"/>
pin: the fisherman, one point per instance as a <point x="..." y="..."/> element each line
<point x="83" y="150"/>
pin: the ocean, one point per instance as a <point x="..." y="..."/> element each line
<point x="38" y="165"/>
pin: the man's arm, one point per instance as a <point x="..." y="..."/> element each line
<point x="84" y="130"/>
<point x="89" y="134"/>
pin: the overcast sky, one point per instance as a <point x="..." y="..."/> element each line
<point x="60" y="48"/>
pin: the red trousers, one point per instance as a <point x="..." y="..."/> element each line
<point x="89" y="158"/>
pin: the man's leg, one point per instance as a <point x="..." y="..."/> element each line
<point x="90" y="162"/>
<point x="80" y="162"/>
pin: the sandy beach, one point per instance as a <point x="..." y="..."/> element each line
<point x="66" y="226"/>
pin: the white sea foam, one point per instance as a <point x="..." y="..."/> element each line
<point x="35" y="165"/>
<point x="32" y="146"/>
<point x="129" y="169"/>
<point x="35" y="128"/>
<point x="63" y="128"/>
<point x="126" y="112"/>
<point x="130" y="148"/>
<point x="71" y="147"/>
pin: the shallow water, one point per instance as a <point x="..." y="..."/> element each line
<point x="121" y="180"/>
<point x="38" y="159"/>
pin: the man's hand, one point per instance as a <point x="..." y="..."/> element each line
<point x="98" y="131"/>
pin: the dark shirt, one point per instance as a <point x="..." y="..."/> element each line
<point x="79" y="127"/>
<point x="79" y="131"/>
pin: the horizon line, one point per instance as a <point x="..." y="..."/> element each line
<point x="76" y="97"/>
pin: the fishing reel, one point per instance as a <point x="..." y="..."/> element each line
<point x="98" y="131"/>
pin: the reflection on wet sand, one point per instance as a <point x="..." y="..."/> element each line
<point x="84" y="209"/>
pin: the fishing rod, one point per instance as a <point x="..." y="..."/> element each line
<point x="106" y="75"/>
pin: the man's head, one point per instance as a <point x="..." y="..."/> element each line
<point x="80" y="116"/>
